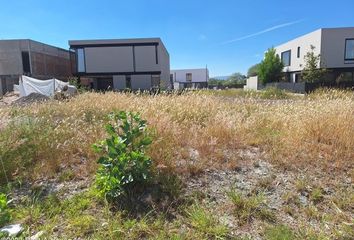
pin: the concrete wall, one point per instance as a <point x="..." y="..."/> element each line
<point x="198" y="75"/>
<point x="142" y="82"/>
<point x="45" y="61"/>
<point x="333" y="47"/>
<point x="304" y="42"/>
<point x="119" y="82"/>
<point x="252" y="83"/>
<point x="127" y="56"/>
<point x="10" y="57"/>
<point x="109" y="59"/>
<point x="145" y="59"/>
<point x="164" y="62"/>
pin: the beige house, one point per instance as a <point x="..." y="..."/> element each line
<point x="336" y="49"/>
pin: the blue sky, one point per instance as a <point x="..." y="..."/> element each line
<point x="227" y="35"/>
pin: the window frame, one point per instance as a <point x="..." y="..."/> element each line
<point x="288" y="51"/>
<point x="345" y="50"/>
<point x="128" y="81"/>
<point x="191" y="77"/>
<point x="79" y="70"/>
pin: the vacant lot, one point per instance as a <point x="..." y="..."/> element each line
<point x="228" y="164"/>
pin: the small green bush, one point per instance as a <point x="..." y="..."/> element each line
<point x="4" y="211"/>
<point x="279" y="232"/>
<point x="123" y="163"/>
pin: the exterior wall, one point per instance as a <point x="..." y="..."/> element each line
<point x="198" y="75"/>
<point x="145" y="59"/>
<point x="119" y="82"/>
<point x="109" y="59"/>
<point x="45" y="61"/>
<point x="164" y="62"/>
<point x="141" y="82"/>
<point x="304" y="42"/>
<point x="252" y="83"/>
<point x="10" y="57"/>
<point x="333" y="47"/>
<point x="139" y="58"/>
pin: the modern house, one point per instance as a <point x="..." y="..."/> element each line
<point x="190" y="78"/>
<point x="122" y="63"/>
<point x="27" y="57"/>
<point x="336" y="49"/>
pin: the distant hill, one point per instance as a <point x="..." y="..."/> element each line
<point x="221" y="77"/>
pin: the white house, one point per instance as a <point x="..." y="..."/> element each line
<point x="190" y="78"/>
<point x="336" y="49"/>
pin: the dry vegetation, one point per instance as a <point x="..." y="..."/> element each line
<point x="192" y="132"/>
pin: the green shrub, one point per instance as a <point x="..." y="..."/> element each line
<point x="248" y="208"/>
<point x="273" y="93"/>
<point x="4" y="211"/>
<point x="123" y="163"/>
<point x="279" y="232"/>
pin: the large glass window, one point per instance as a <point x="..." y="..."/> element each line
<point x="155" y="81"/>
<point x="349" y="49"/>
<point x="128" y="81"/>
<point x="188" y="77"/>
<point x="80" y="53"/>
<point x="286" y="58"/>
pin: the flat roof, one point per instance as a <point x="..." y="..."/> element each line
<point x="113" y="41"/>
<point x="312" y="32"/>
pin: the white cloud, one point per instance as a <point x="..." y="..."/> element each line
<point x="263" y="31"/>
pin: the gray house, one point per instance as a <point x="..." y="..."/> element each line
<point x="336" y="49"/>
<point x="27" y="57"/>
<point x="122" y="63"/>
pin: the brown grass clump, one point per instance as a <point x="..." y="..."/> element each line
<point x="192" y="131"/>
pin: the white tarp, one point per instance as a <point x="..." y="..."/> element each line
<point x="28" y="85"/>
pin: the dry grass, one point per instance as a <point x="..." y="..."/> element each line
<point x="192" y="131"/>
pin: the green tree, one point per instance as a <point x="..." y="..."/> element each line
<point x="312" y="71"/>
<point x="270" y="69"/>
<point x="253" y="70"/>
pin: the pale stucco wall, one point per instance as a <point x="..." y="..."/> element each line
<point x="198" y="75"/>
<point x="252" y="83"/>
<point x="304" y="42"/>
<point x="333" y="47"/>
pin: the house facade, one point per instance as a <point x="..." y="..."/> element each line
<point x="190" y="78"/>
<point x="336" y="49"/>
<point x="27" y="57"/>
<point x="122" y="63"/>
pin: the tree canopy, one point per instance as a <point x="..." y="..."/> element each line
<point x="253" y="70"/>
<point x="270" y="69"/>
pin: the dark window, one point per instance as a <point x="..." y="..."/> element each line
<point x="155" y="81"/>
<point x="80" y="56"/>
<point x="188" y="77"/>
<point x="349" y="49"/>
<point x="26" y="62"/>
<point x="156" y="55"/>
<point x="286" y="58"/>
<point x="298" y="52"/>
<point x="128" y="81"/>
<point x="171" y="77"/>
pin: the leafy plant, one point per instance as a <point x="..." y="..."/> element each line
<point x="312" y="71"/>
<point x="270" y="69"/>
<point x="123" y="163"/>
<point x="4" y="212"/>
<point x="247" y="208"/>
<point x="206" y="223"/>
<point x="279" y="232"/>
